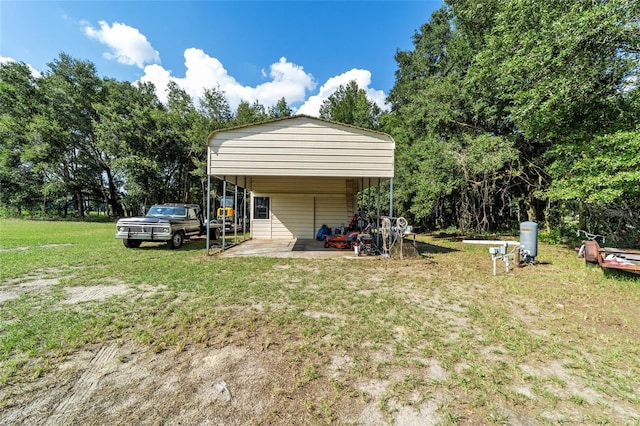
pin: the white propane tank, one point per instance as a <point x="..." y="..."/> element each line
<point x="529" y="239"/>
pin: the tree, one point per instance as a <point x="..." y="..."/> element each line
<point x="349" y="105"/>
<point x="63" y="130"/>
<point x="214" y="107"/>
<point x="128" y="133"/>
<point x="249" y="113"/>
<point x="280" y="109"/>
<point x="524" y="85"/>
<point x="182" y="118"/>
<point x="70" y="138"/>
<point x="603" y="185"/>
<point x="559" y="72"/>
<point x="452" y="164"/>
<point x="215" y="114"/>
<point x="20" y="183"/>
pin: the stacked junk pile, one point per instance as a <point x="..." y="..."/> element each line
<point x="364" y="236"/>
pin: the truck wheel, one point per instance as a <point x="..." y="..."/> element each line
<point x="131" y="243"/>
<point x="214" y="233"/>
<point x="176" y="240"/>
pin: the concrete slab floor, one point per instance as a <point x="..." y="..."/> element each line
<point x="295" y="248"/>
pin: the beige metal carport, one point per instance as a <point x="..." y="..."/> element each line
<point x="303" y="171"/>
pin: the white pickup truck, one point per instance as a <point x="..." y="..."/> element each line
<point x="172" y="223"/>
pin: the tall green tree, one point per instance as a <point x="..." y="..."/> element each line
<point x="63" y="130"/>
<point x="526" y="86"/>
<point x="20" y="182"/>
<point x="247" y="113"/>
<point x="215" y="113"/>
<point x="349" y="105"/>
<point x="560" y="71"/>
<point x="214" y="107"/>
<point x="129" y="132"/>
<point x="71" y="138"/>
<point x="280" y="109"/>
<point x="180" y="144"/>
<point x="453" y="165"/>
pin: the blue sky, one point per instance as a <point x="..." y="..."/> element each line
<point x="253" y="50"/>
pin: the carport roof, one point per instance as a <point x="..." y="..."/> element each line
<point x="293" y="117"/>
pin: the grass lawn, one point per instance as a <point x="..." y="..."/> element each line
<point x="94" y="333"/>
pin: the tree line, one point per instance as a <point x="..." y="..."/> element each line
<point x="502" y="111"/>
<point x="506" y="111"/>
<point x="73" y="140"/>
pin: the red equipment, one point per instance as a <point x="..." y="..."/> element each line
<point x="345" y="241"/>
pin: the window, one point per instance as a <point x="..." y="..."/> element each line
<point x="261" y="207"/>
<point x="178" y="211"/>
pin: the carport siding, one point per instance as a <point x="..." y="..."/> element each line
<point x="301" y="146"/>
<point x="298" y="207"/>
<point x="300" y="216"/>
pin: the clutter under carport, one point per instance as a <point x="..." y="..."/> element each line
<point x="363" y="238"/>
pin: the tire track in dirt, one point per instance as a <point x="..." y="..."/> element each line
<point x="84" y="387"/>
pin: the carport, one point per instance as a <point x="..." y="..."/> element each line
<point x="301" y="172"/>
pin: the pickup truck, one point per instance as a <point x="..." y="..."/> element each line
<point x="172" y="223"/>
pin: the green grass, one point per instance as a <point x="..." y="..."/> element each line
<point x="393" y="318"/>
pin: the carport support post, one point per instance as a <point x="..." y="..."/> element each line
<point x="369" y="200"/>
<point x="378" y="218"/>
<point x="361" y="192"/>
<point x="244" y="210"/>
<point x="390" y="213"/>
<point x="235" y="212"/>
<point x="224" y="214"/>
<point x="208" y="209"/>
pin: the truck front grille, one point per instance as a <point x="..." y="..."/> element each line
<point x="137" y="229"/>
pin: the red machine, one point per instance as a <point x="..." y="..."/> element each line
<point x="344" y="241"/>
<point x="352" y="236"/>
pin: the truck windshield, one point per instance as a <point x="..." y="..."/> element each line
<point x="167" y="211"/>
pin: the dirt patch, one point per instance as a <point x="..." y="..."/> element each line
<point x="13" y="290"/>
<point x="96" y="292"/>
<point x="416" y="411"/>
<point x="317" y="314"/>
<point x="130" y="385"/>
<point x="41" y="281"/>
<point x="563" y="384"/>
<point x="23" y="248"/>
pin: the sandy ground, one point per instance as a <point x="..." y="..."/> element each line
<point x="120" y="383"/>
<point x="116" y="384"/>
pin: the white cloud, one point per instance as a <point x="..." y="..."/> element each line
<point x="34" y="72"/>
<point x="287" y="80"/>
<point x="362" y="77"/>
<point x="128" y="46"/>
